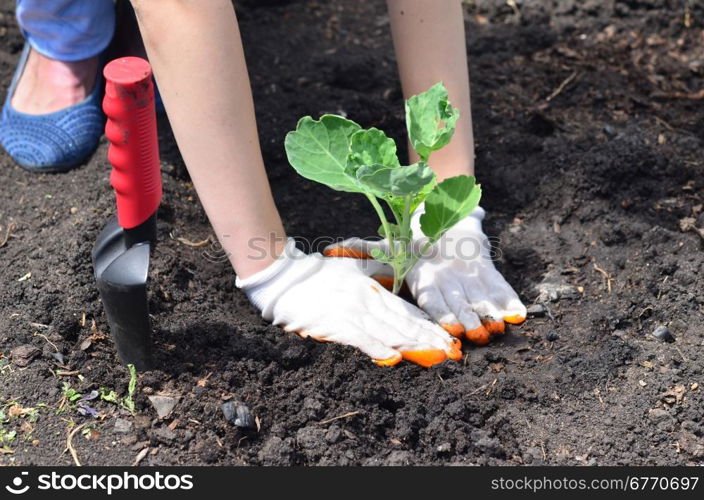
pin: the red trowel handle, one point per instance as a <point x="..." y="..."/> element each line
<point x="134" y="146"/>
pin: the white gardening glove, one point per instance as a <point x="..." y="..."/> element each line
<point x="330" y="300"/>
<point x="455" y="281"/>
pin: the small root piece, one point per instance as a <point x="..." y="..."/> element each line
<point x="607" y="277"/>
<point x="37" y="334"/>
<point x="10" y="227"/>
<point x="69" y="443"/>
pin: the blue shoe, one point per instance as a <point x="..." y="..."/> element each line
<point x="54" y="142"/>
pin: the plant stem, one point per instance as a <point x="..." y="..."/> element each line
<point x="384" y="222"/>
<point x="393" y="261"/>
<point x="414" y="259"/>
<point x="406" y="240"/>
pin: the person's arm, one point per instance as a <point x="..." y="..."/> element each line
<point x="430" y="46"/>
<point x="196" y="52"/>
<point x="199" y="66"/>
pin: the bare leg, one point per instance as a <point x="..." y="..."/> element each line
<point x="430" y="47"/>
<point x="202" y="76"/>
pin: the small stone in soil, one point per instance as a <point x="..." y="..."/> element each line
<point x="692" y="444"/>
<point x="229" y="411"/>
<point x="658" y="415"/>
<point x="552" y="336"/>
<point x="164" y="434"/>
<point x="244" y="417"/>
<point x="238" y="414"/>
<point x="536" y="310"/>
<point x="23" y="355"/>
<point x="552" y="292"/>
<point x="663" y="333"/>
<point x="128" y="440"/>
<point x="163" y="405"/>
<point x="140" y="445"/>
<point x="444" y="448"/>
<point x="58" y="357"/>
<point x="122" y="425"/>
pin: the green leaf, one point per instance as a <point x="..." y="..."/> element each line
<point x="423" y="194"/>
<point x="371" y="147"/>
<point x="449" y="202"/>
<point x="396" y="181"/>
<point x="318" y="151"/>
<point x="430" y="119"/>
<point x="127" y="401"/>
<point x="398" y="204"/>
<point x="108" y="395"/>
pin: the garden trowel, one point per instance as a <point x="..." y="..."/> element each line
<point x="121" y="252"/>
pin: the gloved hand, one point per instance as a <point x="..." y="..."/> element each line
<point x="455" y="281"/>
<point x="330" y="300"/>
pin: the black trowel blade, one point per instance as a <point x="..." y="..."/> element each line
<point x="121" y="273"/>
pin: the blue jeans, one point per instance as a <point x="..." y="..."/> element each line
<point x="67" y="30"/>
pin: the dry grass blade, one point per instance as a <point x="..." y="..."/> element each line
<point x="346" y="415"/>
<point x="190" y="243"/>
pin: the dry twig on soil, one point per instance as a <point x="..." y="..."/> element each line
<point x="561" y="87"/>
<point x="346" y="415"/>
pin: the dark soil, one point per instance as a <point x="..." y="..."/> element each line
<point x="601" y="183"/>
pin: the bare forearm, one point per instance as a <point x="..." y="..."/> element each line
<point x="429" y="39"/>
<point x="196" y="52"/>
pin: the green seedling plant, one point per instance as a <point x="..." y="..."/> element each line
<point x="7" y="436"/>
<point x="340" y="154"/>
<point x="5" y="366"/>
<point x="128" y="402"/>
<point x="11" y="412"/>
<point x="72" y="399"/>
<point x="110" y="395"/>
<point x="69" y="396"/>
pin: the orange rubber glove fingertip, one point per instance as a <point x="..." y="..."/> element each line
<point x="425" y="358"/>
